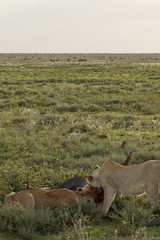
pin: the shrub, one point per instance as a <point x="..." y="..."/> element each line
<point x="135" y="217"/>
<point x="74" y="107"/>
<point x="134" y="212"/>
<point x="79" y="128"/>
<point x="20" y="120"/>
<point x="94" y="108"/>
<point x="48" y="120"/>
<point x="26" y="223"/>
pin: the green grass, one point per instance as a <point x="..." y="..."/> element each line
<point x="62" y="114"/>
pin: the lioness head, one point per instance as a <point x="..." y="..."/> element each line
<point x="92" y="194"/>
<point x="94" y="182"/>
<point x="86" y="196"/>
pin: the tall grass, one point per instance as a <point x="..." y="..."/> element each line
<point x="28" y="223"/>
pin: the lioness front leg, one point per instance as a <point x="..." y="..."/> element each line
<point x="109" y="196"/>
<point x="152" y="194"/>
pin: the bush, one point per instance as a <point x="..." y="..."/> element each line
<point x="135" y="217"/>
<point x="26" y="223"/>
<point x="79" y="128"/>
<point x="134" y="212"/>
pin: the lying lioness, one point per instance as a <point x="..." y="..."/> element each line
<point x="50" y="197"/>
<point x="136" y="179"/>
<point x="22" y="198"/>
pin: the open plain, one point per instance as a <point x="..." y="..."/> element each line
<point x="60" y="116"/>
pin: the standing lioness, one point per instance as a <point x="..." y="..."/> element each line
<point x="135" y="179"/>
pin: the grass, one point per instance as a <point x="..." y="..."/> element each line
<point x="62" y="114"/>
<point x="131" y="222"/>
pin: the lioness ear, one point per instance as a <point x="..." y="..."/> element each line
<point x="90" y="178"/>
<point x="79" y="189"/>
<point x="97" y="166"/>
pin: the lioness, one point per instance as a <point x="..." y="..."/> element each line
<point x="21" y="198"/>
<point x="136" y="179"/>
<point x="51" y="197"/>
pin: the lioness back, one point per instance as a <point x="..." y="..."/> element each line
<point x="129" y="179"/>
<point x="52" y="197"/>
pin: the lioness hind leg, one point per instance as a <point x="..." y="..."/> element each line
<point x="109" y="196"/>
<point x="152" y="194"/>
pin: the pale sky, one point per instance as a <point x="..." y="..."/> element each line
<point x="79" y="26"/>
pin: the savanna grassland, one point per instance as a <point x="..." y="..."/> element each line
<point x="62" y="114"/>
